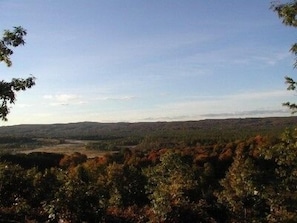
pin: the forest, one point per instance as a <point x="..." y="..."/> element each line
<point x="233" y="170"/>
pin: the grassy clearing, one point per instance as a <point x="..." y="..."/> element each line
<point x="68" y="147"/>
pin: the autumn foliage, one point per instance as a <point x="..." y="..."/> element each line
<point x="241" y="181"/>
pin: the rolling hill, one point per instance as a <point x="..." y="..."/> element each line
<point x="213" y="128"/>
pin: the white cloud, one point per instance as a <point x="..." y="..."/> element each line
<point x="23" y="105"/>
<point x="250" y="113"/>
<point x="241" y="55"/>
<point x="271" y="58"/>
<point x="64" y="99"/>
<point x="258" y="95"/>
<point x="116" y="98"/>
<point x="237" y="105"/>
<point x="48" y="96"/>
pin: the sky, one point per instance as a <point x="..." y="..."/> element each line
<point x="149" y="60"/>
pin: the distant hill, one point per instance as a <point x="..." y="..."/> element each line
<point x="226" y="128"/>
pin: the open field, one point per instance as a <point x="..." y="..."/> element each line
<point x="69" y="147"/>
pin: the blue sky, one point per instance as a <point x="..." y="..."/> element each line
<point x="132" y="61"/>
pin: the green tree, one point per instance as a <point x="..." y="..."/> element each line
<point x="242" y="186"/>
<point x="168" y="185"/>
<point x="126" y="186"/>
<point x="281" y="193"/>
<point x="11" y="39"/>
<point x="287" y="12"/>
<point x="262" y="187"/>
<point x="14" y="189"/>
<point x="77" y="199"/>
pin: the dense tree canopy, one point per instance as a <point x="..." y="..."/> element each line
<point x="8" y="90"/>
